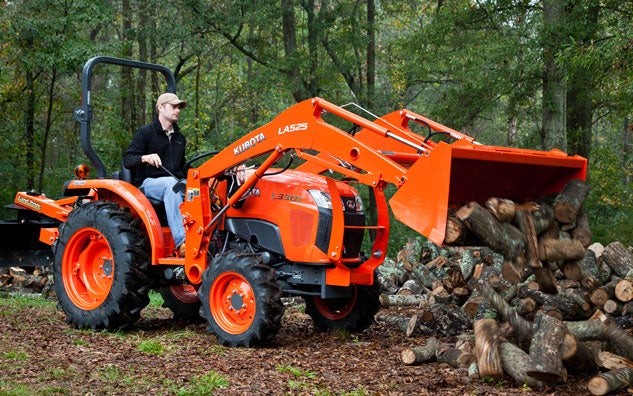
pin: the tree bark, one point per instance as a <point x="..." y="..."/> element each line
<point x="503" y="238"/>
<point x="618" y="258"/>
<point x="427" y="353"/>
<point x="554" y="88"/>
<point x="545" y="349"/>
<point x="515" y="362"/>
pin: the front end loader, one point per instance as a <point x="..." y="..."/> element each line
<point x="276" y="213"/>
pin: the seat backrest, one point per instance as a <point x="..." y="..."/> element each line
<point x="126" y="174"/>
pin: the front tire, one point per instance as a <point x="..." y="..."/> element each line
<point x="354" y="313"/>
<point x="100" y="267"/>
<point x="241" y="300"/>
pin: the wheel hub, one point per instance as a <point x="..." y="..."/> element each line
<point x="237" y="301"/>
<point x="107" y="268"/>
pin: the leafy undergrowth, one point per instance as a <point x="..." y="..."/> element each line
<point x="41" y="355"/>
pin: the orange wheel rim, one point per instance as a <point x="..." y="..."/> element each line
<point x="184" y="293"/>
<point x="335" y="308"/>
<point x="232" y="302"/>
<point x="87" y="268"/>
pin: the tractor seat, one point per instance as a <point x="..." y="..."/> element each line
<point x="125" y="174"/>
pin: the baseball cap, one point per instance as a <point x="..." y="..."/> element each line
<point x="170" y="98"/>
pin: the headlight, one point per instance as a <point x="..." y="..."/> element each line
<point x="359" y="203"/>
<point x="322" y="199"/>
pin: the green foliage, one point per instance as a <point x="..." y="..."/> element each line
<point x="610" y="202"/>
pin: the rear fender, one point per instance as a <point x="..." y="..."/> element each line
<point x="126" y="195"/>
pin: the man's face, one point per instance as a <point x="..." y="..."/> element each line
<point x="169" y="112"/>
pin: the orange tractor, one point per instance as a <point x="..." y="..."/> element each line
<point x="257" y="231"/>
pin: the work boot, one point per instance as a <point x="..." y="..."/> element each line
<point x="181" y="250"/>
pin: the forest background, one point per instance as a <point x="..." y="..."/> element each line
<point x="521" y="73"/>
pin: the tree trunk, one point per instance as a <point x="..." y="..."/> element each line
<point x="554" y="133"/>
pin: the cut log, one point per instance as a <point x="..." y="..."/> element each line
<point x="399" y="321"/>
<point x="590" y="267"/>
<point x="503" y="209"/>
<point x="569" y="201"/>
<point x="612" y="307"/>
<point x="545" y="349"/>
<point x="568" y="307"/>
<point x="611" y="361"/>
<point x="599" y="296"/>
<point x="514" y="271"/>
<point x="571" y="270"/>
<point x="618" y="258"/>
<point x="411" y="287"/>
<point x="487" y="348"/>
<point x="543" y="273"/>
<point x="458" y="234"/>
<point x="471" y="306"/>
<point x="543" y="217"/>
<point x="522" y="327"/>
<point x="401" y="300"/>
<point x="453" y="357"/>
<point x="611" y="381"/>
<point x="515" y="361"/>
<point x="603" y="329"/>
<point x="560" y="249"/>
<point x="624" y="290"/>
<point x="426" y="353"/>
<point x="577" y="357"/>
<point x="503" y="238"/>
<point x="582" y="231"/>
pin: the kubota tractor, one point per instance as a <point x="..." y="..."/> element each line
<point x="257" y="231"/>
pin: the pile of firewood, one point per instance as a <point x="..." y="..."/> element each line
<point x="31" y="279"/>
<point x="520" y="291"/>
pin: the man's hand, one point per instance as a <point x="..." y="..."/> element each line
<point x="152" y="159"/>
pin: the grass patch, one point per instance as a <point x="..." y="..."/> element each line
<point x="298" y="373"/>
<point x="155" y="299"/>
<point x="15" y="355"/>
<point x="8" y="388"/>
<point x="151" y="346"/>
<point x="14" y="304"/>
<point x="203" y="384"/>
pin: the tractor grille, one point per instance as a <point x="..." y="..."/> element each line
<point x="352" y="238"/>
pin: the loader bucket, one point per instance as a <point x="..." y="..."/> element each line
<point x="451" y="175"/>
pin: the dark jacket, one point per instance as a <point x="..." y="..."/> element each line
<point x="150" y="139"/>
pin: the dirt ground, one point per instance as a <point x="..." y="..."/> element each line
<point x="41" y="354"/>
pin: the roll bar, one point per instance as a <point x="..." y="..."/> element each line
<point x="83" y="114"/>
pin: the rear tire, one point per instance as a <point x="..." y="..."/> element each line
<point x="354" y="314"/>
<point x="182" y="300"/>
<point x="241" y="300"/>
<point x="100" y="267"/>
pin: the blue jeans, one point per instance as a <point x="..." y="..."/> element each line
<point x="161" y="189"/>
